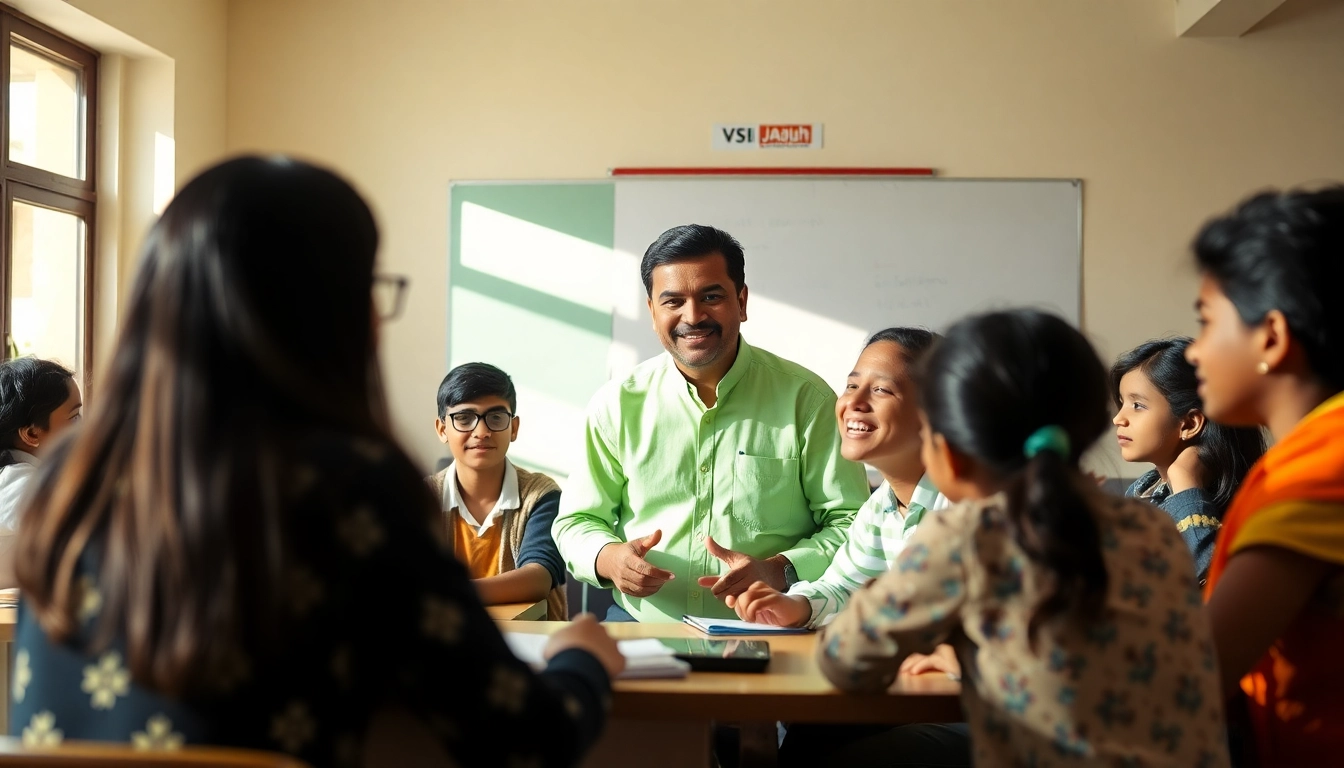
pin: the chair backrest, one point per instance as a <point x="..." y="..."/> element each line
<point x="583" y="597"/>
<point x="95" y="754"/>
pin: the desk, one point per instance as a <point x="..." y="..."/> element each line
<point x="8" y="618"/>
<point x="518" y="611"/>
<point x="675" y="715"/>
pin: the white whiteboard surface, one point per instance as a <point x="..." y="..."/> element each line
<point x="830" y="261"/>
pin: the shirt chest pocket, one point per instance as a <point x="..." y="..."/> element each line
<point x="767" y="496"/>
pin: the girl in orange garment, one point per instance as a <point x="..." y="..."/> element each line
<point x="1271" y="352"/>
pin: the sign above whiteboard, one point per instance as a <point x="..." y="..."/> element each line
<point x="767" y="136"/>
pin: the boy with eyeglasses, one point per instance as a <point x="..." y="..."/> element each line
<point x="496" y="517"/>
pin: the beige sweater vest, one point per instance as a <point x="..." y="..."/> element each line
<point x="532" y="486"/>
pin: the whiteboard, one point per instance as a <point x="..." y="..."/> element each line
<point x="830" y="261"/>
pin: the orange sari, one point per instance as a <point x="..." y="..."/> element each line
<point x="1294" y="499"/>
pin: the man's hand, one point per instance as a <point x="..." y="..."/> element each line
<point x="624" y="565"/>
<point x="743" y="571"/>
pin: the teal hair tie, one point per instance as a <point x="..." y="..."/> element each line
<point x="1048" y="438"/>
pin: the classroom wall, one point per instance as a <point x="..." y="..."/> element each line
<point x="192" y="33"/>
<point x="170" y="113"/>
<point x="406" y="95"/>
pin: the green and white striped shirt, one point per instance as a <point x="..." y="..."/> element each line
<point x="876" y="536"/>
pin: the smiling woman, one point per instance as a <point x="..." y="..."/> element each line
<point x="879" y="425"/>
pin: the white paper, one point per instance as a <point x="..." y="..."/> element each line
<point x="644" y="658"/>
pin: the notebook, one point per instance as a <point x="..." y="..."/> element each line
<point x="736" y="627"/>
<point x="644" y="658"/>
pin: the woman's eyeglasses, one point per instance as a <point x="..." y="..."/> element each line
<point x="389" y="295"/>
<point x="495" y="421"/>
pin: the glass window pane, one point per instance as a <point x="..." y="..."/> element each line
<point x="45" y="129"/>
<point x="47" y="284"/>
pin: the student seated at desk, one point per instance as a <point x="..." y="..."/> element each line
<point x="496" y="517"/>
<point x="38" y="401"/>
<point x="1075" y="614"/>
<point x="1197" y="464"/>
<point x="238" y="553"/>
<point x="879" y="425"/>
<point x="878" y="419"/>
<point x="1271" y="352"/>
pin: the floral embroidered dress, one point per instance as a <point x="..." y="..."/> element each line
<point x="1139" y="687"/>
<point x="377" y="613"/>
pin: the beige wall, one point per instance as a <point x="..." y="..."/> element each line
<point x="192" y="33"/>
<point x="406" y="95"/>
<point x="170" y="121"/>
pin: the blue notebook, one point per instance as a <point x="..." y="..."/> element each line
<point x="738" y="627"/>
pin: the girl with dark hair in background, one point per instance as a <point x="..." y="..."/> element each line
<point x="1271" y="353"/>
<point x="1070" y="610"/>
<point x="238" y="553"/>
<point x="1197" y="464"/>
<point x="38" y="401"/>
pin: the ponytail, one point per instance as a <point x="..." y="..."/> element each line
<point x="1023" y="392"/>
<point x="1052" y="522"/>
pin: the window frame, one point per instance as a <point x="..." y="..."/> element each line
<point x="43" y="188"/>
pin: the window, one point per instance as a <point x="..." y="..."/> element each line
<point x="46" y="192"/>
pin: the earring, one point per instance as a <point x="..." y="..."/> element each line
<point x="1262" y="368"/>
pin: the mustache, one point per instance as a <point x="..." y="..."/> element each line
<point x="708" y="325"/>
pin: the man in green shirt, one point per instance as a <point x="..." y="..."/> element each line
<point x="711" y="467"/>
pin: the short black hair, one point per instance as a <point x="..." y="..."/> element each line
<point x="912" y="341"/>
<point x="691" y="241"/>
<point x="472" y="381"/>
<point x="1285" y="251"/>
<point x="1226" y="453"/>
<point x="30" y="391"/>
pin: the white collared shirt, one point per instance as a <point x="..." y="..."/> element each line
<point x="14" y="487"/>
<point x="508" y="497"/>
<point x="15" y="483"/>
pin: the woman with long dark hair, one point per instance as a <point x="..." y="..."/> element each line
<point x="234" y="550"/>
<point x="1197" y="463"/>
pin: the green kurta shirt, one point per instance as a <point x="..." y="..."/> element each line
<point x="761" y="472"/>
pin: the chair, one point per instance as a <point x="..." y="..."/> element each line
<point x="581" y="595"/>
<point x="95" y="754"/>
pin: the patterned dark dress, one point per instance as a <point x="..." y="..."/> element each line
<point x="377" y="614"/>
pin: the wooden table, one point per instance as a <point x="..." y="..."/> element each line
<point x="676" y="715"/>
<point x="8" y="618"/>
<point x="518" y="611"/>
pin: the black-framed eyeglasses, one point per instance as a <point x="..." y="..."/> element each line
<point x="389" y="295"/>
<point x="495" y="421"/>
